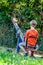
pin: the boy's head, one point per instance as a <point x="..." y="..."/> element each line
<point x="33" y="23"/>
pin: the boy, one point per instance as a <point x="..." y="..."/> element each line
<point x="31" y="37"/>
<point x="19" y="34"/>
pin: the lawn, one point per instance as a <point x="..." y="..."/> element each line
<point x="8" y="58"/>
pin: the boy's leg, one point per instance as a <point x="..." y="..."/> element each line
<point x="32" y="53"/>
<point x="18" y="49"/>
<point x="18" y="42"/>
<point x="21" y="45"/>
<point x="35" y="48"/>
<point x="31" y="49"/>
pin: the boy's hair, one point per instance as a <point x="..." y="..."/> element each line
<point x="33" y="23"/>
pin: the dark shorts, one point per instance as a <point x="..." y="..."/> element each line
<point x="33" y="47"/>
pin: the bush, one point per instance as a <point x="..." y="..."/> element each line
<point x="7" y="35"/>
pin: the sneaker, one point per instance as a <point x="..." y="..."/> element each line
<point x="26" y="54"/>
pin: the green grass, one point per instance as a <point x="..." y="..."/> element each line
<point x="7" y="58"/>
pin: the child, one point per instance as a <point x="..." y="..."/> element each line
<point x="18" y="34"/>
<point x="31" y="37"/>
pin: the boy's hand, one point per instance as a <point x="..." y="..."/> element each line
<point x="14" y="20"/>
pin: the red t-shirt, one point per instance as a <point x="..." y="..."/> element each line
<point x="32" y="36"/>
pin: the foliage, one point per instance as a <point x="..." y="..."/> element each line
<point x="7" y="35"/>
<point x="25" y="10"/>
<point x="7" y="58"/>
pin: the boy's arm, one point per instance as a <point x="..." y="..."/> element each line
<point x="25" y="39"/>
<point x="26" y="36"/>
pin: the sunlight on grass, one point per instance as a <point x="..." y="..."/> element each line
<point x="7" y="58"/>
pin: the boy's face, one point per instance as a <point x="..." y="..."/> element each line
<point x="33" y="25"/>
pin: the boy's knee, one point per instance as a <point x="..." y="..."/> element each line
<point x="19" y="44"/>
<point x="22" y="44"/>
